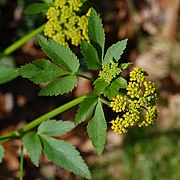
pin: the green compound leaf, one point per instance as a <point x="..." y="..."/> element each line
<point x="96" y="32"/>
<point x="86" y="108"/>
<point x="59" y="54"/>
<point x="59" y="86"/>
<point x="64" y="155"/>
<point x="115" y="51"/>
<point x="1" y="153"/>
<point x="41" y="71"/>
<point x="97" y="129"/>
<point x="90" y="55"/>
<point x="7" y="74"/>
<point x="100" y="85"/>
<point x="36" y="8"/>
<point x="113" y="89"/>
<point x="55" y="128"/>
<point x="32" y="143"/>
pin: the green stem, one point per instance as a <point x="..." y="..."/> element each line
<point x="86" y="77"/>
<point x="18" y="133"/>
<point x="20" y="42"/>
<point x="105" y="102"/>
<point x="21" y="163"/>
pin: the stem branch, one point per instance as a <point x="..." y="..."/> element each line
<point x="21" y="163"/>
<point x="86" y="77"/>
<point x="18" y="133"/>
<point x="105" y="102"/>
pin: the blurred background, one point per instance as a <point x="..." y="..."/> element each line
<point x="153" y="31"/>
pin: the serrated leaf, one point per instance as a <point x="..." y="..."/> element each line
<point x="97" y="129"/>
<point x="86" y="108"/>
<point x="113" y="89"/>
<point x="90" y="55"/>
<point x="7" y="74"/>
<point x="59" y="54"/>
<point x="65" y="155"/>
<point x="55" y="128"/>
<point x="115" y="51"/>
<point x="122" y="83"/>
<point x="1" y="153"/>
<point x="59" y="86"/>
<point x="32" y="143"/>
<point x="41" y="71"/>
<point x="36" y="8"/>
<point x="96" y="32"/>
<point x="100" y="85"/>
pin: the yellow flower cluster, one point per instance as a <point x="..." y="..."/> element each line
<point x="150" y="116"/>
<point x="119" y="125"/>
<point x="119" y="103"/>
<point x="138" y="74"/>
<point x="109" y="71"/>
<point x="64" y="24"/>
<point x="140" y="99"/>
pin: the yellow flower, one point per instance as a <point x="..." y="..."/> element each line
<point x="64" y="25"/>
<point x="139" y="99"/>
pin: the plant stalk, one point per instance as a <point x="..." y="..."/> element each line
<point x="20" y="42"/>
<point x="20" y="132"/>
<point x="21" y="163"/>
<point x="105" y="102"/>
<point x="84" y="76"/>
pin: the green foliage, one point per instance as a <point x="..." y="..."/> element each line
<point x="57" y="151"/>
<point x="97" y="129"/>
<point x="42" y="71"/>
<point x="65" y="155"/>
<point x="96" y="33"/>
<point x="55" y="128"/>
<point x="113" y="89"/>
<point x="61" y="77"/>
<point x="7" y="69"/>
<point x="1" y="153"/>
<point x="7" y="74"/>
<point x="32" y="143"/>
<point x="60" y="80"/>
<point x="90" y="55"/>
<point x="86" y="108"/>
<point x="100" y="85"/>
<point x="59" y="86"/>
<point x="115" y="51"/>
<point x="36" y="8"/>
<point x="59" y="54"/>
